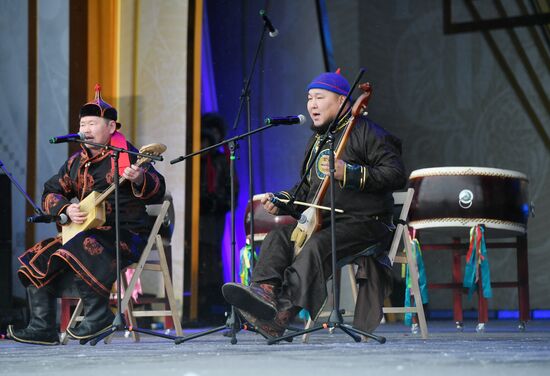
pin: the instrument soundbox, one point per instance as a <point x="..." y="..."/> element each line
<point x="94" y="203"/>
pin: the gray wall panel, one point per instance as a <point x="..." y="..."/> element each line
<point x="451" y="104"/>
<point x="13" y="106"/>
<point x="53" y="102"/>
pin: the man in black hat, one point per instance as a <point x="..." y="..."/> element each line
<point x="88" y="260"/>
<point x="370" y="169"/>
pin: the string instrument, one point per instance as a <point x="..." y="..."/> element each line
<point x="310" y="222"/>
<point x="94" y="203"/>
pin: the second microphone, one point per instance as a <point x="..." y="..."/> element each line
<point x="286" y="120"/>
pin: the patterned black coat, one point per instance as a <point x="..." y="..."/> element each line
<point x="91" y="253"/>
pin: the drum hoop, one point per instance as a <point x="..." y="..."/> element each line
<point x="467" y="171"/>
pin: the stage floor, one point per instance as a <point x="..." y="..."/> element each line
<point x="500" y="350"/>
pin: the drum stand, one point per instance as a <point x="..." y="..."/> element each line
<point x="335" y="319"/>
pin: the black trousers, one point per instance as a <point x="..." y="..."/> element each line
<point x="303" y="279"/>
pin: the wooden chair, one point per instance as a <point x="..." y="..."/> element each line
<point x="401" y="233"/>
<point x="154" y="242"/>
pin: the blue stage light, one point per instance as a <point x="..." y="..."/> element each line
<point x="508" y="315"/>
<point x="541" y="314"/>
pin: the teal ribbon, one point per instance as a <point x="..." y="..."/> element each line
<point x="422" y="280"/>
<point x="477" y="262"/>
<point x="304" y="314"/>
<point x="245" y="257"/>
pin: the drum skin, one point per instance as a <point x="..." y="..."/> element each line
<point x="466" y="196"/>
<point x="263" y="221"/>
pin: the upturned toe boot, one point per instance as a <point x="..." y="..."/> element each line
<point x="257" y="299"/>
<point x="41" y="329"/>
<point x="285" y="313"/>
<point x="98" y="317"/>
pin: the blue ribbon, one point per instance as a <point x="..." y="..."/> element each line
<point x="304" y="314"/>
<point x="478" y="263"/>
<point x="422" y="281"/>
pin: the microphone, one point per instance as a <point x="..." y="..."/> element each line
<point x="47" y="218"/>
<point x="67" y="138"/>
<point x="286" y="120"/>
<point x="272" y="31"/>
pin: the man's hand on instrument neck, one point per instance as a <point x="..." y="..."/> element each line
<point x="134" y="174"/>
<point x="338" y="163"/>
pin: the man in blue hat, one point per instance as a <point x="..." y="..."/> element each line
<point x="369" y="170"/>
<point x="87" y="260"/>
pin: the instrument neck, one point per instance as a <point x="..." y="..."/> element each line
<point x="348" y="122"/>
<point x="108" y="191"/>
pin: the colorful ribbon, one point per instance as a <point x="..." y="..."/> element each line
<point x="246" y="255"/>
<point x="304" y="314"/>
<point x="422" y="280"/>
<point x="477" y="264"/>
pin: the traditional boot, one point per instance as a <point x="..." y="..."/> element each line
<point x="278" y="325"/>
<point x="258" y="299"/>
<point x="98" y="317"/>
<point x="272" y="328"/>
<point x="41" y="329"/>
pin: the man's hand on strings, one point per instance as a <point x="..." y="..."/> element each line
<point x="74" y="213"/>
<point x="134" y="174"/>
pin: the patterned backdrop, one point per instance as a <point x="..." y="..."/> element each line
<point x="450" y="102"/>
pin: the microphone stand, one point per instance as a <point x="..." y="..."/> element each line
<point x="245" y="97"/>
<point x="35" y="207"/>
<point x="233" y="323"/>
<point x="118" y="322"/>
<point x="335" y="319"/>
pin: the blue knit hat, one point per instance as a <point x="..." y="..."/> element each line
<point x="334" y="82"/>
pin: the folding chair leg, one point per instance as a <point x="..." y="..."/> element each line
<point x="127" y="309"/>
<point x="305" y="336"/>
<point x="413" y="270"/>
<point x="168" y="286"/>
<point x="129" y="312"/>
<point x="72" y="322"/>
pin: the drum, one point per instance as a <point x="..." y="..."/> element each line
<point x="468" y="196"/>
<point x="263" y="221"/>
